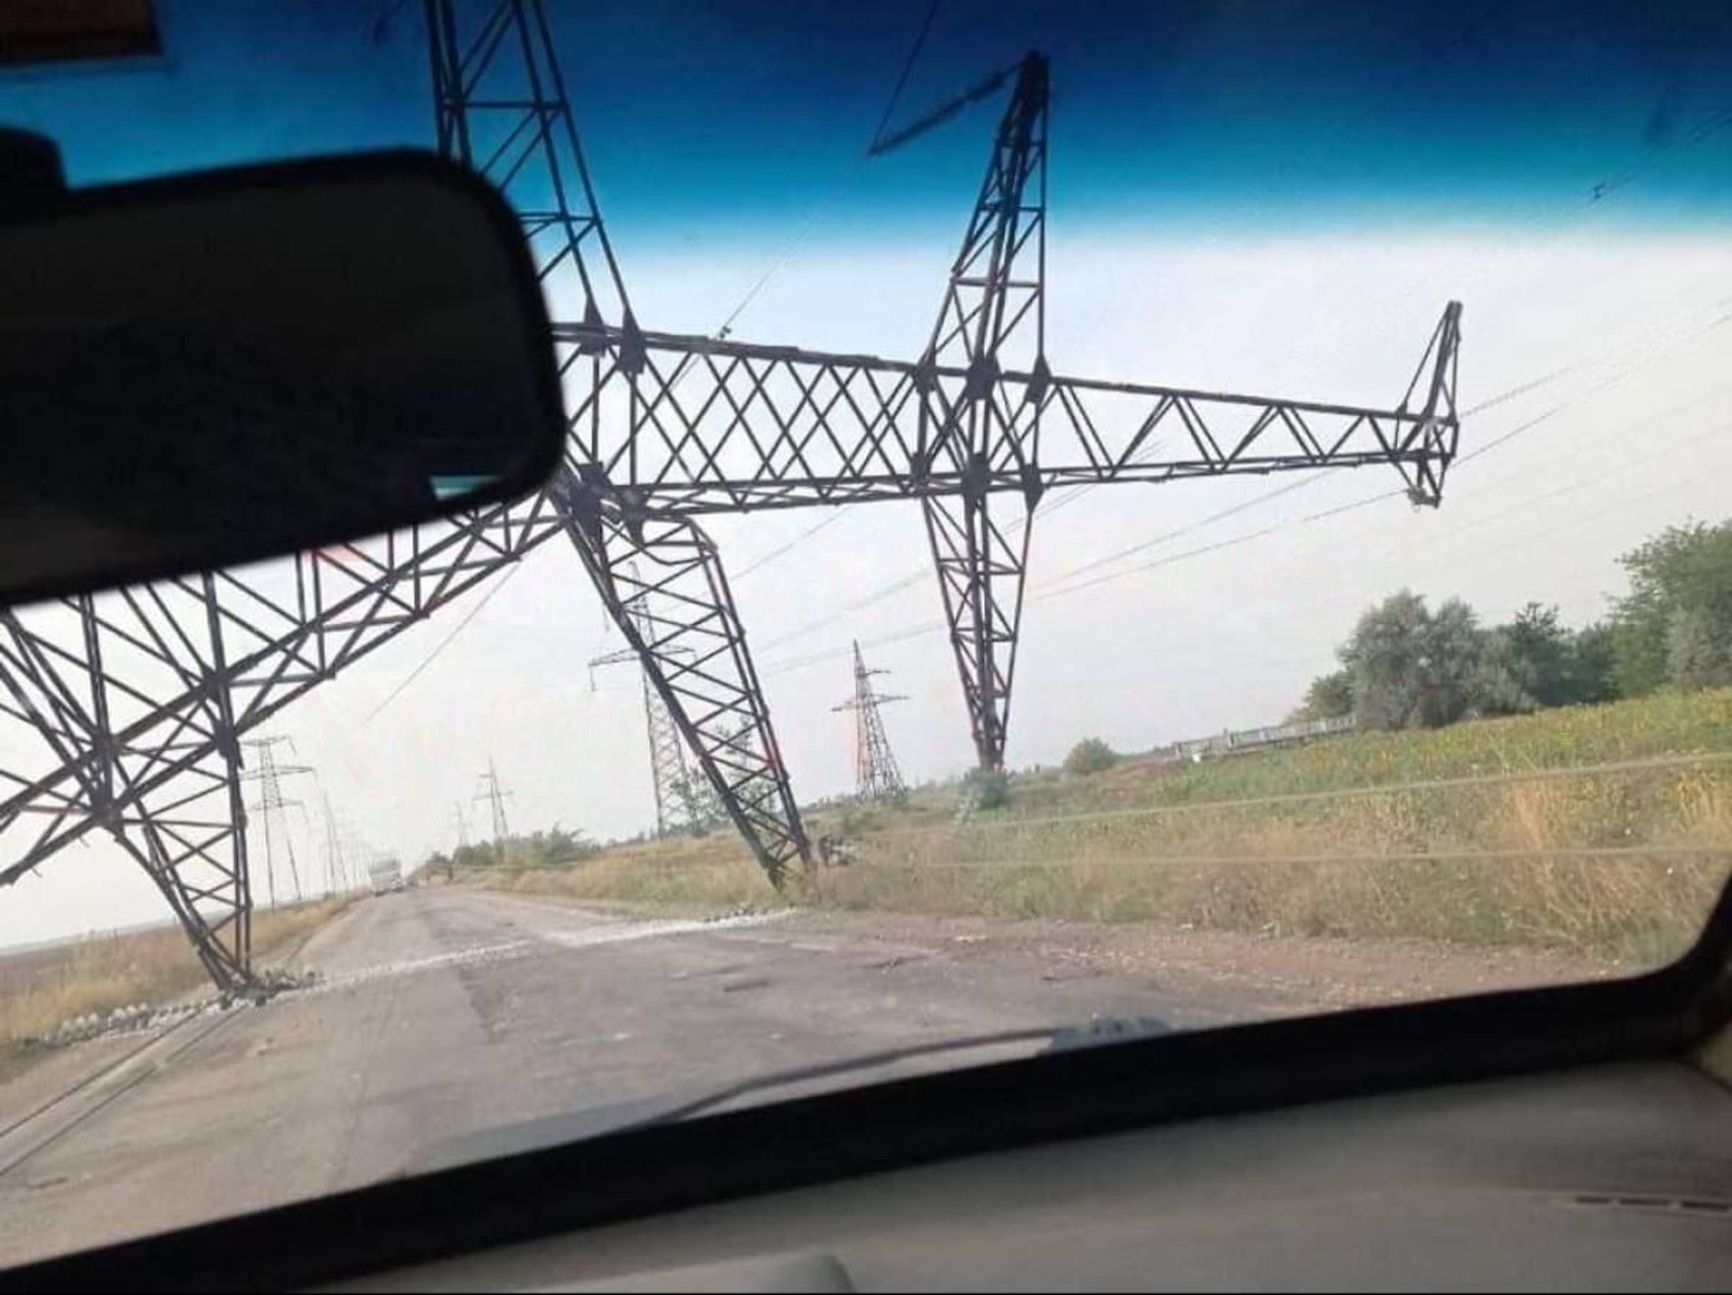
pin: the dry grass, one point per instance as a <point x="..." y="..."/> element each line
<point x="102" y="973"/>
<point x="1445" y="835"/>
<point x="713" y="872"/>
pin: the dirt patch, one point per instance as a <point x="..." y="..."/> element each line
<point x="1290" y="974"/>
<point x="1305" y="973"/>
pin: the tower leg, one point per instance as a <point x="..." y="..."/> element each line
<point x="174" y="806"/>
<point x="190" y="837"/>
<point x="980" y="564"/>
<point x="693" y="648"/>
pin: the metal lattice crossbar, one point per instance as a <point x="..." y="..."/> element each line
<point x="127" y="709"/>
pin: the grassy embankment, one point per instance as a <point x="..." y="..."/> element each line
<point x="1495" y="832"/>
<point x="40" y="989"/>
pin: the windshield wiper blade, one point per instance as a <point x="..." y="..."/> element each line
<point x="848" y="1065"/>
<point x="1063" y="1038"/>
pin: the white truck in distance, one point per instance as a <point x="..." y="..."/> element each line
<point x="385" y="874"/>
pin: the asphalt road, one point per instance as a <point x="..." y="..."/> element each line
<point x="451" y="1022"/>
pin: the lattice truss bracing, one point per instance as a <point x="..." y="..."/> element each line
<point x="128" y="707"/>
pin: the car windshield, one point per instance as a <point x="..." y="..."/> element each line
<point x="1308" y="416"/>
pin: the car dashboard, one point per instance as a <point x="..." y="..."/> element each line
<point x="1605" y="1177"/>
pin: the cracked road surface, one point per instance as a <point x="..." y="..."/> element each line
<point x="450" y="1023"/>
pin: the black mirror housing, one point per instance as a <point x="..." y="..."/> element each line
<point x="218" y="368"/>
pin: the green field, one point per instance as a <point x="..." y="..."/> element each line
<point x="1603" y="830"/>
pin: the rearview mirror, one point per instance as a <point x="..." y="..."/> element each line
<point x="212" y="369"/>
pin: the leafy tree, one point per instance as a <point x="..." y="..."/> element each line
<point x="1412" y="667"/>
<point x="1502" y="682"/>
<point x="1678" y="608"/>
<point x="1698" y="651"/>
<point x="1330" y="696"/>
<point x="1537" y="646"/>
<point x="1590" y="671"/>
<point x="1091" y="755"/>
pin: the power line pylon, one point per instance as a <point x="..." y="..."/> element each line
<point x="993" y="316"/>
<point x="135" y="701"/>
<point x="495" y="796"/>
<point x="273" y="808"/>
<point x="668" y="772"/>
<point x="462" y="821"/>
<point x="336" y="864"/>
<point x="876" y="776"/>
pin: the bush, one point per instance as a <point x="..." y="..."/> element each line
<point x="1091" y="755"/>
<point x="989" y="787"/>
<point x="1330" y="696"/>
<point x="1412" y="667"/>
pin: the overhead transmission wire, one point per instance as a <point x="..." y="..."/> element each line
<point x="1570" y="215"/>
<point x="1093" y="861"/>
<point x="797" y="244"/>
<point x="1061" y="590"/>
<point x="1363" y="791"/>
<point x="1700" y="131"/>
<point x="440" y="647"/>
<point x="926" y="627"/>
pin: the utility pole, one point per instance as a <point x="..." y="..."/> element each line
<point x="462" y="838"/>
<point x="273" y="806"/>
<point x="336" y="865"/>
<point x="495" y="798"/>
<point x="876" y="776"/>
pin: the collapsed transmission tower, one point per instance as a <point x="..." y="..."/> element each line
<point x="273" y="809"/>
<point x="134" y="702"/>
<point x="876" y="776"/>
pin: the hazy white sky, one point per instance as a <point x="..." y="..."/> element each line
<point x="1634" y="436"/>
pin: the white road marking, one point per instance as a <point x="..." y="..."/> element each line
<point x="414" y="966"/>
<point x="629" y="932"/>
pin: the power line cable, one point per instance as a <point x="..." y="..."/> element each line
<point x="902" y="79"/>
<point x="929" y="627"/>
<point x="444" y="643"/>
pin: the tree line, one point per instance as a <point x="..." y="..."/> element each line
<point x="544" y="849"/>
<point x="1408" y="665"/>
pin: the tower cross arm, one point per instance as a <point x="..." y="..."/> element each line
<point x="710" y="425"/>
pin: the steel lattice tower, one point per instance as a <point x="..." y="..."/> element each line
<point x="495" y="798"/>
<point x="130" y="706"/>
<point x="876" y="776"/>
<point x="668" y="772"/>
<point x="273" y="808"/>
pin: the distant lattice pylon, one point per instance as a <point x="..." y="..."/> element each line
<point x="670" y="779"/>
<point x="273" y="807"/>
<point x="495" y="796"/>
<point x="875" y="773"/>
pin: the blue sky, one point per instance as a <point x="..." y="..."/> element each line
<point x="725" y="121"/>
